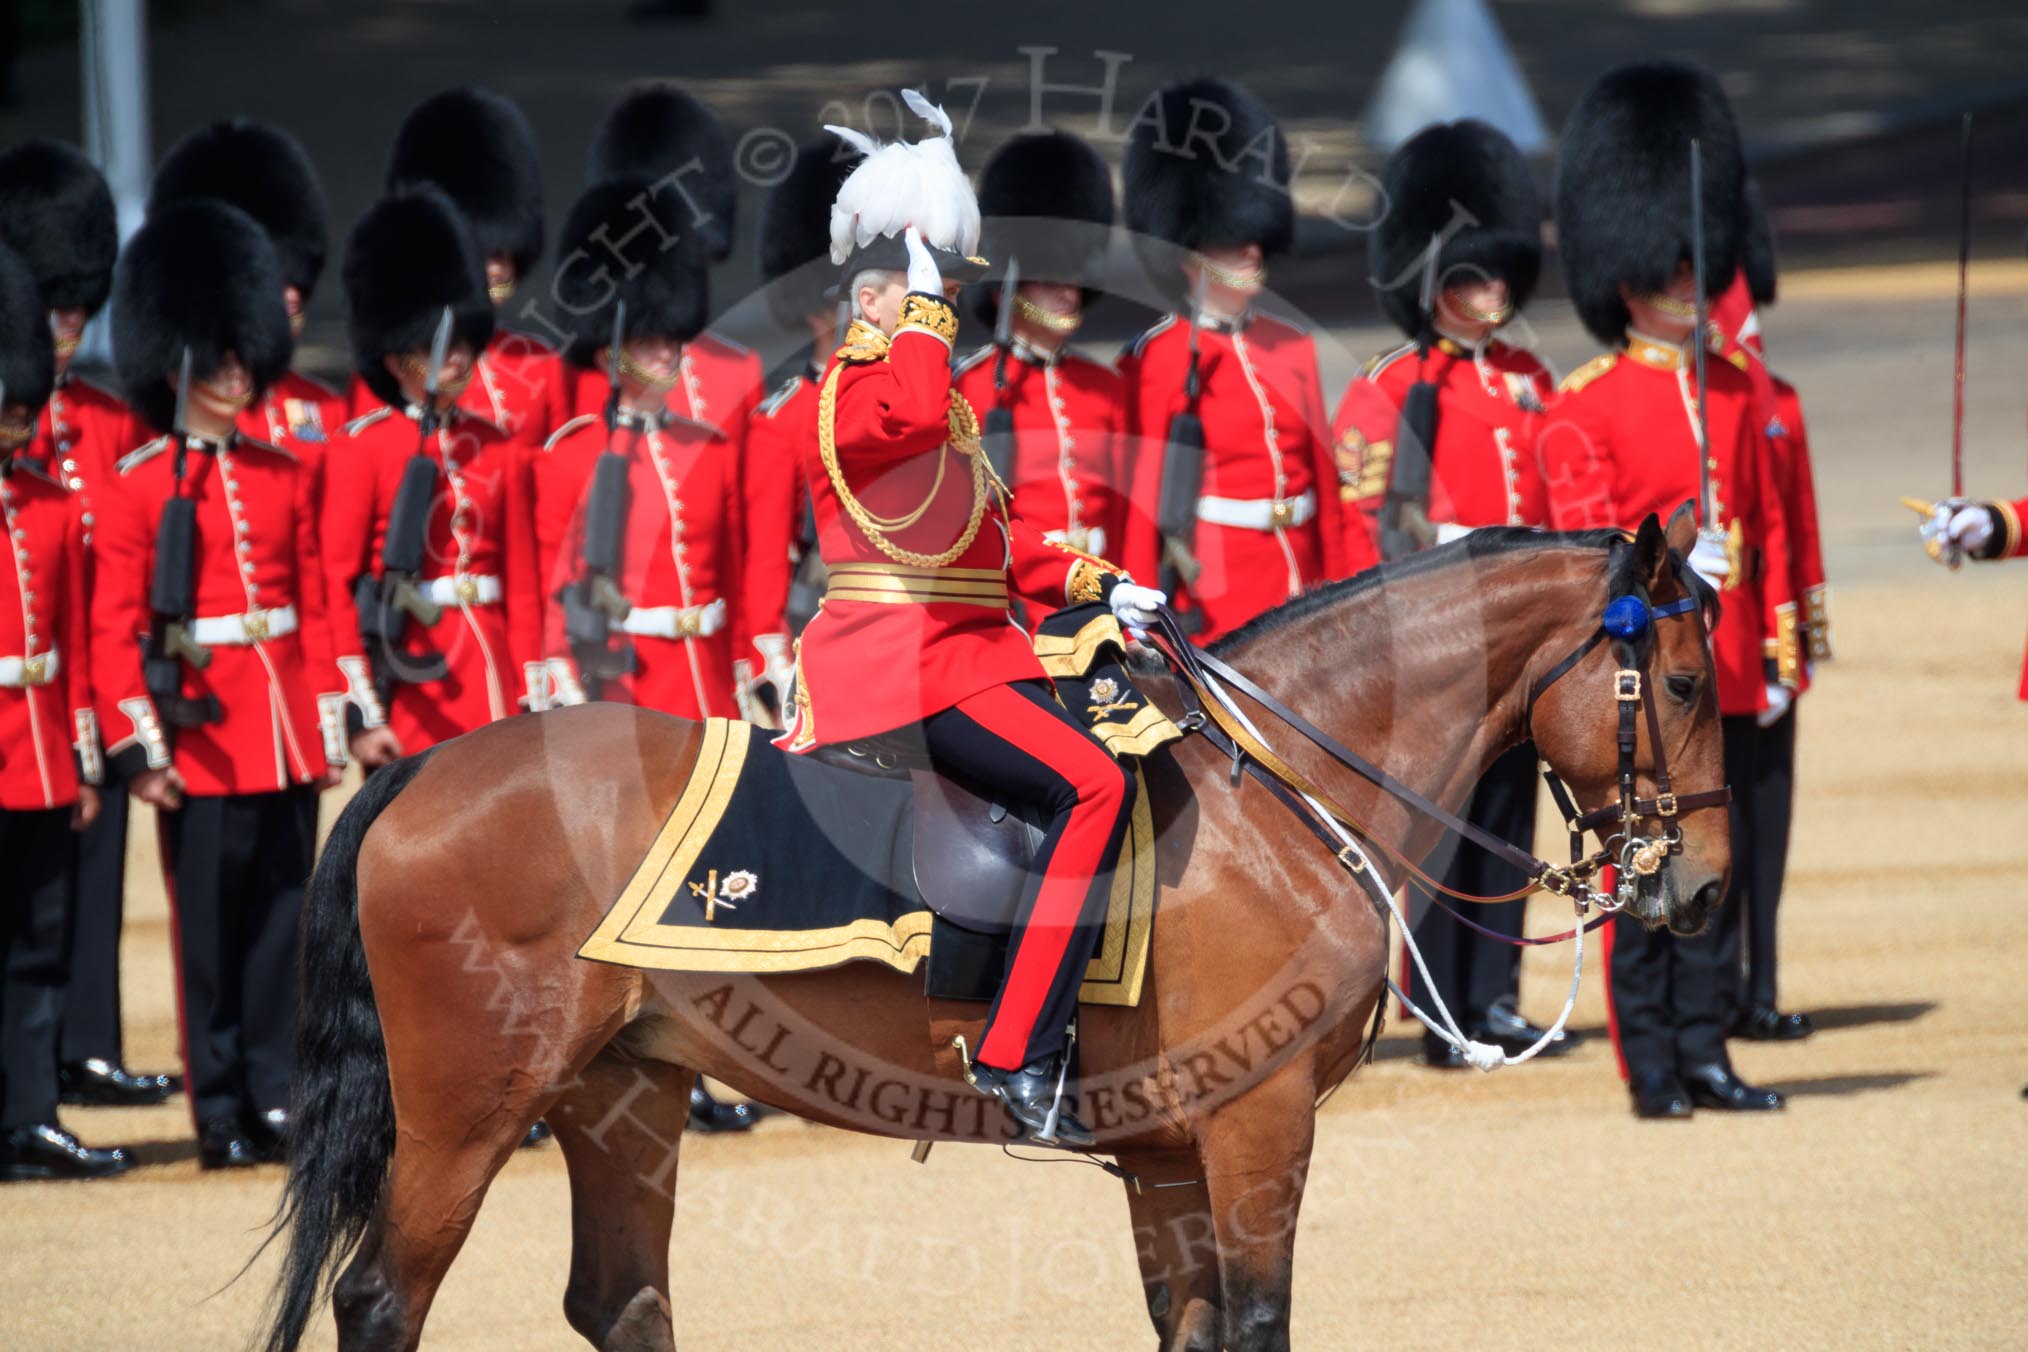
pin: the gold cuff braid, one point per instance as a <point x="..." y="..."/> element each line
<point x="932" y="314"/>
<point x="1086" y="583"/>
<point x="1817" y="619"/>
<point x="1788" y="646"/>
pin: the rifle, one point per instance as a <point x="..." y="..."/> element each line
<point x="999" y="430"/>
<point x="594" y="603"/>
<point x="172" y="596"/>
<point x="1183" y="480"/>
<point x="1404" y="511"/>
<point x="386" y="603"/>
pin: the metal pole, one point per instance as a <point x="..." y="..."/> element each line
<point x="113" y="45"/>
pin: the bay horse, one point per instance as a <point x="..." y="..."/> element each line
<point x="443" y="1009"/>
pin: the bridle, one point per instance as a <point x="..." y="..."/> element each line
<point x="1627" y="623"/>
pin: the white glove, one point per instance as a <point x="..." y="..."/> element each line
<point x="564" y="686"/>
<point x="1709" y="561"/>
<point x="535" y="682"/>
<point x="1448" y="531"/>
<point x="922" y="269"/>
<point x="1134" y="605"/>
<point x="779" y="667"/>
<point x="1970" y="527"/>
<point x="1779" y="698"/>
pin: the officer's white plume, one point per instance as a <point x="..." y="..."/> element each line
<point x="905" y="184"/>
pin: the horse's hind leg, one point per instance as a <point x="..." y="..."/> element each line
<point x="1177" y="1247"/>
<point x="620" y="1124"/>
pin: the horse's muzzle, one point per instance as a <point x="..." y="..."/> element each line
<point x="1689" y="917"/>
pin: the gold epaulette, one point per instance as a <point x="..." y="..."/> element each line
<point x="1587" y="373"/>
<point x="863" y="342"/>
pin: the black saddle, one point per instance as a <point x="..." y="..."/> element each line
<point x="971" y="858"/>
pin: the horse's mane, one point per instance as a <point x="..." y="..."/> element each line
<point x="1484" y="543"/>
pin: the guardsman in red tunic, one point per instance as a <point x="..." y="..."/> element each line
<point x="1207" y="200"/>
<point x="57" y="214"/>
<point x="1462" y="457"/>
<point x="915" y="627"/>
<point x="479" y="150"/>
<point x="1622" y="441"/>
<point x="215" y="707"/>
<point x="1048" y="204"/>
<point x="50" y="760"/>
<point x="1736" y="324"/>
<point x="680" y="547"/>
<point x="264" y="172"/>
<point x="466" y="642"/>
<point x="800" y="285"/>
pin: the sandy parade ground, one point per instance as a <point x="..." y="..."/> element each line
<point x="1885" y="1208"/>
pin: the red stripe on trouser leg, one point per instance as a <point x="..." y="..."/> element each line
<point x="1078" y="856"/>
<point x="1605" y="884"/>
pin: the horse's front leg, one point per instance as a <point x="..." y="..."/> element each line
<point x="1256" y="1153"/>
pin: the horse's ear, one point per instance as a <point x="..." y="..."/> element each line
<point x="1651" y="551"/>
<point x="1682" y="530"/>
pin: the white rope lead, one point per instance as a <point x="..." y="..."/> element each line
<point x="1482" y="1055"/>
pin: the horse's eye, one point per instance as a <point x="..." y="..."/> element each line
<point x="1682" y="689"/>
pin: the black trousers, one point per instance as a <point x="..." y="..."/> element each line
<point x="1672" y="997"/>
<point x="1764" y="855"/>
<point x="1471" y="971"/>
<point x="238" y="864"/>
<point x="35" y="911"/>
<point x="91" y="998"/>
<point x="1016" y="744"/>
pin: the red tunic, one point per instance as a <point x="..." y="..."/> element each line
<point x="1621" y="441"/>
<point x="776" y="502"/>
<point x="82" y="432"/>
<point x="480" y="539"/>
<point x="518" y="384"/>
<point x="894" y="643"/>
<point x="681" y="553"/>
<point x="1069" y="472"/>
<point x="46" y="719"/>
<point x="1483" y="470"/>
<point x="1266" y="441"/>
<point x="257" y="553"/>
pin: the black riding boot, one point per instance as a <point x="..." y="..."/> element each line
<point x="1030" y="1097"/>
<point x="708" y="1114"/>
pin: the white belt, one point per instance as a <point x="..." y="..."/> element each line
<point x="676" y="621"/>
<point x="1259" y="513"/>
<point x="236" y="631"/>
<point x="1084" y="539"/>
<point x="17" y="673"/>
<point x="471" y="589"/>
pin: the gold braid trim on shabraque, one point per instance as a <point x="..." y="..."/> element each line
<point x="864" y="343"/>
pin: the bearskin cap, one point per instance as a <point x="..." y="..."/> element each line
<point x="1758" y="248"/>
<point x="1623" y="188"/>
<point x="1466" y="183"/>
<point x="409" y="256"/>
<point x="479" y="149"/>
<point x="657" y="129"/>
<point x="795" y="234"/>
<point x="1206" y="167"/>
<point x="264" y="172"/>
<point x="1047" y="200"/>
<point x="608" y="254"/>
<point x="199" y="275"/>
<point x="27" y="354"/>
<point x="57" y="214"/>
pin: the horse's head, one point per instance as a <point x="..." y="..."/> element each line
<point x="1647" y="672"/>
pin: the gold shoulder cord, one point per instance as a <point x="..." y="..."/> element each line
<point x="866" y="344"/>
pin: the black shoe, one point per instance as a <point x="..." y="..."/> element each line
<point x="1658" y="1094"/>
<point x="1028" y="1095"/>
<point x="1765" y="1023"/>
<point x="221" y="1144"/>
<point x="708" y="1114"/>
<point x="1715" y="1086"/>
<point x="537" y="1134"/>
<point x="46" y="1150"/>
<point x="1438" y="1054"/>
<point x="268" y="1132"/>
<point x="1506" y="1029"/>
<point x="107" y="1084"/>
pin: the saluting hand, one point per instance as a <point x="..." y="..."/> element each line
<point x="922" y="268"/>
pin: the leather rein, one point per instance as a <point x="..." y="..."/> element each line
<point x="1618" y="825"/>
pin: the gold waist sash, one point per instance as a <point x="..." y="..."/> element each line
<point x="906" y="584"/>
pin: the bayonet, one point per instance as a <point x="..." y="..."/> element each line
<point x="440" y="352"/>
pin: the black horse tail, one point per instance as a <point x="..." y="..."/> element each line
<point x="341" y="1114"/>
